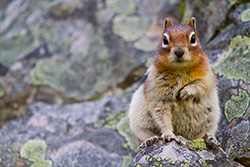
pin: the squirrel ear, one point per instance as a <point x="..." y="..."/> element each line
<point x="192" y="23"/>
<point x="167" y="23"/>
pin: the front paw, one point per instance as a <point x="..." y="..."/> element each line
<point x="168" y="137"/>
<point x="150" y="141"/>
<point x="186" y="92"/>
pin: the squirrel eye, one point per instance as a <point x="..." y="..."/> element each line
<point x="192" y="40"/>
<point x="165" y="40"/>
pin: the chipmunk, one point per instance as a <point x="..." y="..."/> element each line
<point x="179" y="94"/>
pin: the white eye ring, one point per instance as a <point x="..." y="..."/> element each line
<point x="191" y="34"/>
<point x="165" y="45"/>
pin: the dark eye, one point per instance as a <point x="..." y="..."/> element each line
<point x="192" y="40"/>
<point x="165" y="40"/>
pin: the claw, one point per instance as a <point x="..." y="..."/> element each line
<point x="142" y="146"/>
<point x="211" y="141"/>
<point x="178" y="139"/>
<point x="150" y="142"/>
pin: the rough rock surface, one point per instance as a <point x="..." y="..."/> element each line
<point x="68" y="69"/>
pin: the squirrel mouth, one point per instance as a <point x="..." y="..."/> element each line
<point x="180" y="60"/>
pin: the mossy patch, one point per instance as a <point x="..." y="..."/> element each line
<point x="197" y="145"/>
<point x="245" y="16"/>
<point x="236" y="64"/>
<point x="236" y="107"/>
<point x="130" y="28"/>
<point x="34" y="151"/>
<point x="123" y="7"/>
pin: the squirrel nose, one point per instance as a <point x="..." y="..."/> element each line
<point x="179" y="52"/>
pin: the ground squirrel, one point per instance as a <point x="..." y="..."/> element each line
<point x="178" y="96"/>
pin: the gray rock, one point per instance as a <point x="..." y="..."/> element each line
<point x="61" y="52"/>
<point x="69" y="134"/>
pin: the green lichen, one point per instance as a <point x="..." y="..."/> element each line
<point x="157" y="163"/>
<point x="159" y="159"/>
<point x="53" y="74"/>
<point x="146" y="46"/>
<point x="237" y="3"/>
<point x="148" y="157"/>
<point x="12" y="146"/>
<point x="1" y="91"/>
<point x="126" y="160"/>
<point x="60" y="10"/>
<point x="232" y="3"/>
<point x="245" y="15"/>
<point x="1" y="160"/>
<point x="123" y="129"/>
<point x="236" y="64"/>
<point x="233" y="155"/>
<point x="182" y="8"/>
<point x="130" y="28"/>
<point x="205" y="164"/>
<point x="45" y="163"/>
<point x="120" y="123"/>
<point x="34" y="151"/>
<point x="197" y="145"/>
<point x="76" y="77"/>
<point x="122" y="7"/>
<point x="184" y="165"/>
<point x="236" y="107"/>
<point x="24" y="44"/>
<point x="172" y="162"/>
<point x="138" y="165"/>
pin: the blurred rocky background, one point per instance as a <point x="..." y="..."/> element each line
<point x="68" y="69"/>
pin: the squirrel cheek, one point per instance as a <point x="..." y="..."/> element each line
<point x="172" y="56"/>
<point x="186" y="56"/>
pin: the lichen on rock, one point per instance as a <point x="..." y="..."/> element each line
<point x="34" y="151"/>
<point x="51" y="73"/>
<point x="130" y="28"/>
<point x="238" y="58"/>
<point x="197" y="145"/>
<point x="120" y="123"/>
<point x="145" y="45"/>
<point x="245" y="15"/>
<point x="125" y="6"/>
<point x="237" y="106"/>
<point x="26" y="41"/>
<point x="1" y="91"/>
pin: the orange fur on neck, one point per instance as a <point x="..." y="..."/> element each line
<point x="197" y="70"/>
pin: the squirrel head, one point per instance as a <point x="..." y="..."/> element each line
<point x="179" y="46"/>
